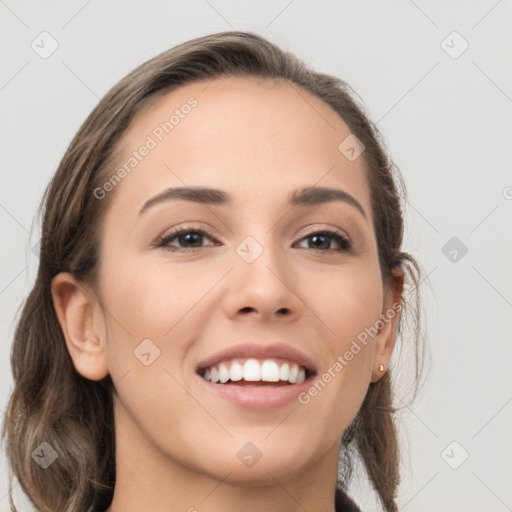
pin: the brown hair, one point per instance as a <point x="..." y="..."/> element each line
<point x="51" y="402"/>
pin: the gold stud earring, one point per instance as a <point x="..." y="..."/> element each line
<point x="381" y="367"/>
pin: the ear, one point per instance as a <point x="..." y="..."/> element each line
<point x="83" y="324"/>
<point x="386" y="337"/>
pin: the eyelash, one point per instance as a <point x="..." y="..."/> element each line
<point x="345" y="245"/>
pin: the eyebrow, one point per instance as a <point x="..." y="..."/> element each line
<point x="309" y="196"/>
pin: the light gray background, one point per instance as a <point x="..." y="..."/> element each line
<point x="448" y="126"/>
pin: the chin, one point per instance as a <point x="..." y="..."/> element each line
<point x="251" y="465"/>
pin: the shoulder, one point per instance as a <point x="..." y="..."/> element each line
<point x="344" y="503"/>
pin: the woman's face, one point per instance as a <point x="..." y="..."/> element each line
<point x="254" y="273"/>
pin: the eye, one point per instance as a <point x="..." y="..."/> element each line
<point x="190" y="238"/>
<point x="322" y="240"/>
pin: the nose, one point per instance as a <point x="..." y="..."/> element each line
<point x="265" y="288"/>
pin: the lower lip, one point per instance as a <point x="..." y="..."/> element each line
<point x="257" y="397"/>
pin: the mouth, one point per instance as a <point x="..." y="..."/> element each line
<point x="257" y="377"/>
<point x="256" y="372"/>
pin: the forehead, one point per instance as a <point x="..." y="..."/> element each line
<point x="253" y="137"/>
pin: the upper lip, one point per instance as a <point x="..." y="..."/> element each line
<point x="252" y="350"/>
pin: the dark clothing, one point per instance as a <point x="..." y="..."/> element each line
<point x="343" y="503"/>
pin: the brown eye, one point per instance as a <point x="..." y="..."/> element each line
<point x="186" y="238"/>
<point x="322" y="240"/>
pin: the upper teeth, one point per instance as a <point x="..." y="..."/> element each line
<point x="267" y="370"/>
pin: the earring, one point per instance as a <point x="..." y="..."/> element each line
<point x="381" y="367"/>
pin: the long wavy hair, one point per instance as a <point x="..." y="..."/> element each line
<point x="51" y="402"/>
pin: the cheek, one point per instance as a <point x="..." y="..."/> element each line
<point x="149" y="300"/>
<point x="349" y="306"/>
<point x="348" y="300"/>
<point x="166" y="304"/>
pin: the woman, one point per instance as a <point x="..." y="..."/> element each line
<point x="220" y="291"/>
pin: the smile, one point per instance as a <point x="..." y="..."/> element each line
<point x="256" y="370"/>
<point x="257" y="377"/>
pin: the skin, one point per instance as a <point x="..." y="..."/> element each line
<point x="177" y="444"/>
